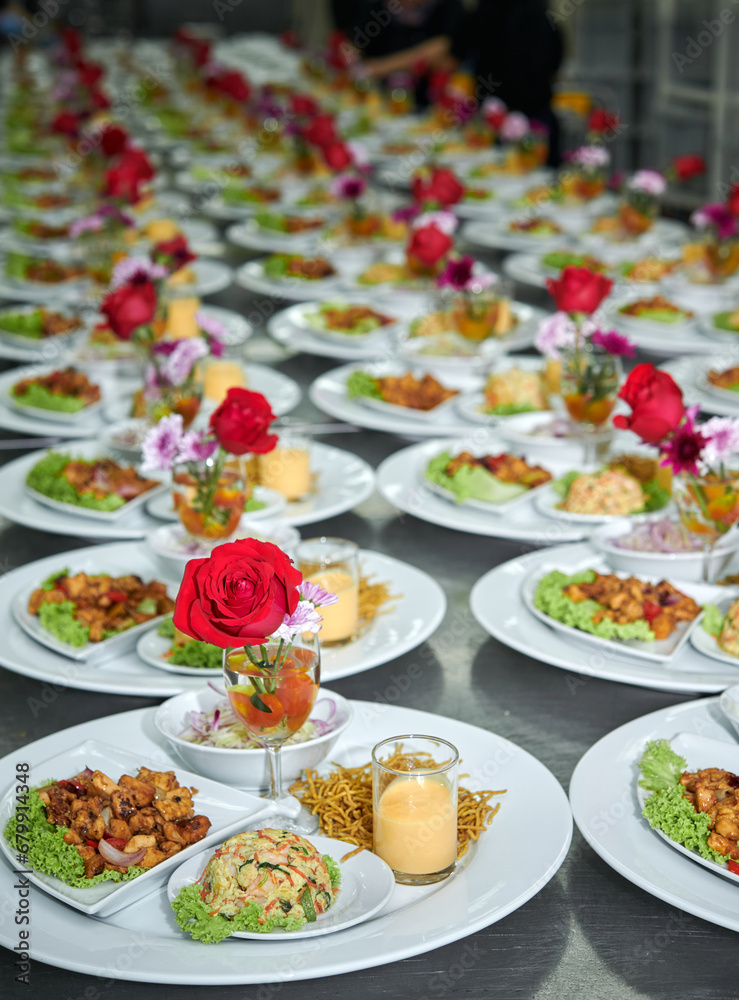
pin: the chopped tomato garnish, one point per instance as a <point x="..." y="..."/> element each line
<point x="651" y="610"/>
<point x="733" y="867"/>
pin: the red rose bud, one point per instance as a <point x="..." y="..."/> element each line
<point x="239" y="596"/>
<point x="66" y="123"/>
<point x="130" y="307"/>
<point x="242" y="421"/>
<point x="579" y="290"/>
<point x="89" y="74"/>
<point x="732" y="202"/>
<point x="656" y="403"/>
<point x="174" y="253"/>
<point x="71" y="40"/>
<point x="99" y="100"/>
<point x="428" y="245"/>
<point x="337" y="156"/>
<point x="443" y="187"/>
<point x="602" y="121"/>
<point x="685" y="167"/>
<point x="321" y="131"/>
<point x="113" y="140"/>
<point x="233" y="84"/>
<point x="124" y="179"/>
<point x="302" y="105"/>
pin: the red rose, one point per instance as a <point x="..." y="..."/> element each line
<point x="239" y="596"/>
<point x="99" y="100"/>
<point x="174" y="253"/>
<point x="89" y="74"/>
<point x="428" y="245"/>
<point x="689" y="166"/>
<point x="321" y="131"/>
<point x="233" y="84"/>
<point x="656" y="403"/>
<point x="579" y="290"/>
<point x="302" y="104"/>
<point x="71" y="40"/>
<point x="602" y="121"/>
<point x="113" y="140"/>
<point x="130" y="307"/>
<point x="66" y="123"/>
<point x="732" y="202"/>
<point x="337" y="156"/>
<point x="124" y="179"/>
<point x="241" y="423"/>
<point x="443" y="187"/>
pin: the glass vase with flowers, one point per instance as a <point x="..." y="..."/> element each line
<point x="478" y="304"/>
<point x="715" y="257"/>
<point x="249" y="599"/>
<point x="703" y="457"/>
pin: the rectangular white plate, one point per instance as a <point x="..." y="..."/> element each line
<point x="228" y="810"/>
<point x="98" y="515"/>
<point x="659" y="651"/>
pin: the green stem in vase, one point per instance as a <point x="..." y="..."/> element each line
<point x="206" y="496"/>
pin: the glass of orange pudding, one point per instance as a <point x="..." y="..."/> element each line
<point x="414" y="806"/>
<point x="287" y="468"/>
<point x="333" y="563"/>
<point x="218" y="376"/>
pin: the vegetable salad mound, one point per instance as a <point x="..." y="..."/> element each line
<point x="257" y="881"/>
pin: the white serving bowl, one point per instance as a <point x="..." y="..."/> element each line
<point x="248" y="768"/>
<point x="730" y="705"/>
<point x="671" y="566"/>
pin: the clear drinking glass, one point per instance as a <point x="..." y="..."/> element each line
<point x="333" y="563"/>
<point x="287" y="468"/>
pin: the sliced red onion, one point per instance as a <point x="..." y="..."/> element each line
<point x="660" y="536"/>
<point x="118" y="858"/>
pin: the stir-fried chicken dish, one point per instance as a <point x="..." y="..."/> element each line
<point x="43" y="231"/>
<point x="51" y="272"/>
<point x="63" y="382"/>
<point x="658" y="303"/>
<point x="726" y="379"/>
<point x="301" y="223"/>
<point x="630" y="600"/>
<point x="506" y="467"/>
<point x="534" y="225"/>
<point x="716" y="793"/>
<point x="103" y="477"/>
<point x="416" y="393"/>
<point x="138" y="821"/>
<point x="53" y="323"/>
<point x="313" y="268"/>
<point x="105" y="604"/>
<point x="350" y="317"/>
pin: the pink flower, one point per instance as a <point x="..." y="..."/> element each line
<point x="717" y="215"/>
<point x="348" y="187"/>
<point x="178" y="366"/>
<point x="445" y="222"/>
<point x="195" y="447"/>
<point x="457" y="273"/>
<point x="494" y="111"/>
<point x="589" y="156"/>
<point x="133" y="269"/>
<point x="162" y="444"/>
<point x="722" y="441"/>
<point x="304" y="618"/>
<point x="682" y="450"/>
<point x="515" y="127"/>
<point x="648" y="181"/>
<point x="556" y="332"/>
<point x="316" y="594"/>
<point x="615" y="343"/>
<point x="216" y="334"/>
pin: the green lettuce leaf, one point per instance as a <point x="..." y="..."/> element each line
<point x="551" y="600"/>
<point x="472" y="483"/>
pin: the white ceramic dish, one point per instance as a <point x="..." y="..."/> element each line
<point x="548" y="501"/>
<point x="209" y="277"/>
<point x="606" y="775"/>
<point x="482" y="505"/>
<point x="705" y="643"/>
<point x="176" y="547"/>
<point x="366" y="886"/>
<point x="497" y="604"/>
<point x="306" y="317"/>
<point x="496" y="234"/>
<point x="689" y="373"/>
<point x="413" y="922"/>
<point x="252" y="277"/>
<point x="306" y="342"/>
<point x="658" y="651"/>
<point x="227" y="809"/>
<point x="250" y="235"/>
<point x="162" y="505"/>
<point x="248" y="768"/>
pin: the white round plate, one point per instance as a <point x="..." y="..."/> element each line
<point x="526" y="268"/>
<point x="210" y="276"/>
<point x="406" y="623"/>
<point x="400" y="479"/>
<point x="328" y="393"/>
<point x="298" y="316"/>
<point x="547" y="502"/>
<point x="30" y="420"/>
<point x="707" y="645"/>
<point x="495" y="234"/>
<point x="281" y="329"/>
<point x="343" y="481"/>
<point x="413" y="921"/>
<point x="664" y="339"/>
<point x="175" y="546"/>
<point x="498" y="605"/>
<point x="45" y="294"/>
<point x="252" y="277"/>
<point x="605" y="778"/>
<point x="367" y="884"/>
<point x="162" y="505"/>
<point x="250" y="235"/>
<point x="151" y="648"/>
<point x="690" y="376"/>
<point x="49" y="350"/>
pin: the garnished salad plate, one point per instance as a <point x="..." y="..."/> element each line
<point x="367" y="884"/>
<point x="498" y="604"/>
<point x="608" y="773"/>
<point x="691" y="376"/>
<point x="412" y="922"/>
<point x="373" y="323"/>
<point x="32" y="420"/>
<point x="255" y="276"/>
<point x="716" y="632"/>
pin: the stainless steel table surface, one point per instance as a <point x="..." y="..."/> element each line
<point x="589" y="933"/>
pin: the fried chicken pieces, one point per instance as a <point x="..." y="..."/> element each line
<point x="716" y="793"/>
<point x="506" y="467"/>
<point x="416" y="393"/>
<point x="151" y="812"/>
<point x="630" y="600"/>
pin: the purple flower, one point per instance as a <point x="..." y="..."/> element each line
<point x="87" y="224"/>
<point x="717" y="215"/>
<point x="515" y="127"/>
<point x="648" y="181"/>
<point x="316" y="594"/>
<point x="614" y="343"/>
<point x="304" y="618"/>
<point x="163" y="348"/>
<point x="682" y="450"/>
<point x="133" y="269"/>
<point x="457" y="273"/>
<point x="348" y="186"/>
<point x="196" y="447"/>
<point x="556" y="332"/>
<point x="539" y="128"/>
<point x="446" y="222"/>
<point x="722" y="441"/>
<point x="177" y="366"/>
<point x="215" y="332"/>
<point x="405" y="214"/>
<point x="494" y="106"/>
<point x="589" y="156"/>
<point x="162" y="444"/>
<point x="152" y="388"/>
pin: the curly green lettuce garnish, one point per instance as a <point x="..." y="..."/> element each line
<point x="362" y="384"/>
